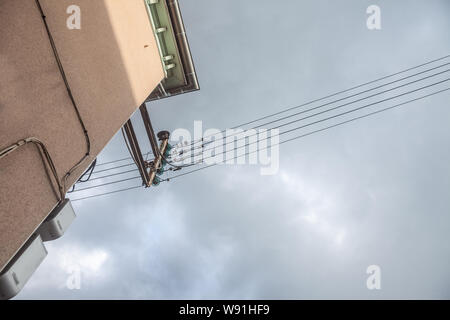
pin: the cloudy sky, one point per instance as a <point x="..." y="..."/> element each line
<point x="374" y="192"/>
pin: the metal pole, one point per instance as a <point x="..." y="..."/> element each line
<point x="149" y="129"/>
<point x="136" y="152"/>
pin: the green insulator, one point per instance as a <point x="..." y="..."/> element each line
<point x="167" y="151"/>
<point x="160" y="171"/>
<point x="156" y="181"/>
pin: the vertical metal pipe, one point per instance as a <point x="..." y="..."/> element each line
<point x="136" y="152"/>
<point x="149" y="128"/>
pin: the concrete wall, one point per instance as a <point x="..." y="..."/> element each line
<point x="112" y="64"/>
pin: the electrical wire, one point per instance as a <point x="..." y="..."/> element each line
<point x="113" y="161"/>
<point x="113" y="175"/>
<point x="4" y="152"/>
<point x="304" y="104"/>
<point x="309" y="124"/>
<point x="280" y="143"/>
<point x="314" y="122"/>
<point x="88" y="172"/>
<point x="176" y="167"/>
<point x="312" y="132"/>
<point x="333" y="94"/>
<point x="106" y="193"/>
<point x="118" y="160"/>
<point x="342" y="99"/>
<point x="319" y="113"/>
<point x="69" y="91"/>
<point x="41" y="146"/>
<point x="114" y="168"/>
<point x="107" y="184"/>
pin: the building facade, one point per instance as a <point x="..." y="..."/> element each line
<point x="71" y="75"/>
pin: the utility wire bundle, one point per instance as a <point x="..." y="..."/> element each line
<point x="361" y="101"/>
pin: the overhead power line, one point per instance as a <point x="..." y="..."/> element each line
<point x="113" y="168"/>
<point x="319" y="113"/>
<point x="106" y="193"/>
<point x="299" y="127"/>
<point x="113" y="175"/>
<point x="313" y="132"/>
<point x="113" y="161"/>
<point x="106" y="184"/>
<point x="333" y="94"/>
<point x="308" y="103"/>
<point x="280" y="143"/>
<point x="345" y="98"/>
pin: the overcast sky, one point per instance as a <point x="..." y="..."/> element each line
<point x="372" y="192"/>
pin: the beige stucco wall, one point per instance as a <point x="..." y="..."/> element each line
<point x="112" y="65"/>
